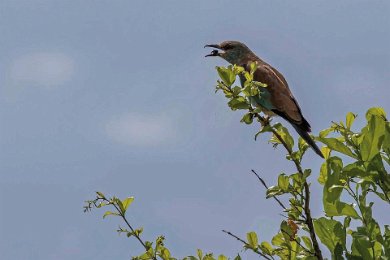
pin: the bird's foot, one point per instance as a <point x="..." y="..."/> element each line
<point x="267" y="120"/>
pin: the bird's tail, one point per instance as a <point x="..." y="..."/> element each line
<point x="305" y="135"/>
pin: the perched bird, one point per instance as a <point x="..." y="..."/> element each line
<point x="277" y="98"/>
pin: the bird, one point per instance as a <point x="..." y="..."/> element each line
<point x="276" y="99"/>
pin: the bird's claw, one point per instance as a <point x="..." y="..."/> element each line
<point x="266" y="120"/>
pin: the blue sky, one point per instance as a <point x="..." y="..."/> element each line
<point x="117" y="96"/>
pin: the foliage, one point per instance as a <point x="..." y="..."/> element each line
<point x="364" y="176"/>
<point x="354" y="171"/>
<point x="153" y="250"/>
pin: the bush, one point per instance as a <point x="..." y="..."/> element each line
<point x="354" y="168"/>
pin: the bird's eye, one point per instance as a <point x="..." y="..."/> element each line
<point x="228" y="47"/>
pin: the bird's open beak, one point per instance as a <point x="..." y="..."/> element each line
<point x="213" y="46"/>
<point x="214" y="52"/>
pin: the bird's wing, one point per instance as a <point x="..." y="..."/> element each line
<point x="280" y="94"/>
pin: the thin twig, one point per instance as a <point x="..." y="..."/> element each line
<point x="132" y="229"/>
<point x="364" y="220"/>
<point x="280" y="203"/>
<point x="265" y="185"/>
<point x="247" y="245"/>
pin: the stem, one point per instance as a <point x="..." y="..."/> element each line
<point x="131" y="228"/>
<point x="265" y="185"/>
<point x="276" y="198"/>
<point x="364" y="221"/>
<point x="309" y="219"/>
<point x="247" y="245"/>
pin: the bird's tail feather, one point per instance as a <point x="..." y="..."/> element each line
<point x="305" y="135"/>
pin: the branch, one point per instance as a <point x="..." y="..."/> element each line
<point x="131" y="228"/>
<point x="276" y="198"/>
<point x="247" y="245"/>
<point x="265" y="185"/>
<point x="309" y="220"/>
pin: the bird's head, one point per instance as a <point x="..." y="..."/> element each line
<point x="233" y="52"/>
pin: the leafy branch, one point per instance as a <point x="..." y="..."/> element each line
<point x="121" y="207"/>
<point x="348" y="228"/>
<point x="370" y="148"/>
<point x="266" y="186"/>
<point x="239" y="98"/>
<point x="252" y="243"/>
<point x="159" y="251"/>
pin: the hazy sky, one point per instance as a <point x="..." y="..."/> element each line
<point x="117" y="96"/>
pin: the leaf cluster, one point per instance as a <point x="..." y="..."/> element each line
<point x="152" y="250"/>
<point x="365" y="174"/>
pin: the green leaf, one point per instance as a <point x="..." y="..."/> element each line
<point x="247" y="118"/>
<point x="127" y="202"/>
<point x="238" y="103"/>
<point x="339" y="208"/>
<point x="325" y="132"/>
<point x="138" y="232"/>
<point x="336" y="145"/>
<point x="237" y="69"/>
<point x="101" y="195"/>
<point x="227" y="76"/>
<point x="252" y="240"/>
<point x="307" y="242"/>
<point x="372" y="139"/>
<point x="333" y="170"/>
<point x="386" y="140"/>
<point x="302" y="145"/>
<point x="253" y="67"/>
<point x="283" y="182"/>
<point x="165" y="254"/>
<point x="120" y="204"/>
<point x="330" y="232"/>
<point x="323" y="173"/>
<point x="259" y="84"/>
<point x="209" y="257"/>
<point x="190" y="257"/>
<point x="361" y="245"/>
<point x="333" y="187"/>
<point x="222" y="257"/>
<point x="248" y="77"/>
<point x="375" y="111"/>
<point x="347" y="221"/>
<point x="306" y="173"/>
<point x="386" y="240"/>
<point x="284" y="134"/>
<point x="108" y="213"/>
<point x="266" y="248"/>
<point x="273" y="191"/>
<point x="200" y="254"/>
<point x="354" y="170"/>
<point x="266" y="128"/>
<point x="349" y="119"/>
<point x="250" y="90"/>
<point x="278" y="239"/>
<point x="236" y="90"/>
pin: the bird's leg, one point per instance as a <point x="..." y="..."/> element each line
<point x="267" y="120"/>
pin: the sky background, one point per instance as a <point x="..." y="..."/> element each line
<point x="117" y="96"/>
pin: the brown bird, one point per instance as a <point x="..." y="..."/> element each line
<point x="277" y="98"/>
